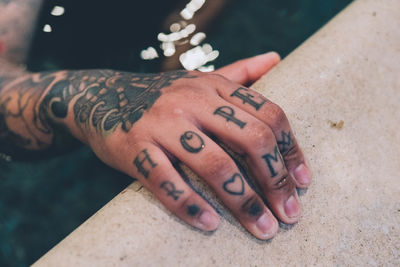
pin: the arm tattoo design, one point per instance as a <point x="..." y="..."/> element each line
<point x="108" y="99"/>
<point x="229" y="114"/>
<point x="286" y="143"/>
<point x="275" y="158"/>
<point x="234" y="185"/>
<point x="102" y="100"/>
<point x="17" y="108"/>
<point x="171" y="190"/>
<point x="192" y="142"/>
<point x="245" y="95"/>
<point x="144" y="157"/>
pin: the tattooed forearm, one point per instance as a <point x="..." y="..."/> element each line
<point x="229" y="114"/>
<point x="245" y="95"/>
<point x="140" y="161"/>
<point x="31" y="106"/>
<point x="235" y="185"/>
<point x="192" y="142"/>
<point x="171" y="190"/>
<point x="273" y="160"/>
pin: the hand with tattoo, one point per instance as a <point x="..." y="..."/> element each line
<point x="140" y="123"/>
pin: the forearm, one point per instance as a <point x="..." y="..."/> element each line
<point x="27" y="128"/>
<point x="38" y="111"/>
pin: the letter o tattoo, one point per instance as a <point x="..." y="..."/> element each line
<point x="189" y="143"/>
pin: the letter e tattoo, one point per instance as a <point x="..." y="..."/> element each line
<point x="248" y="98"/>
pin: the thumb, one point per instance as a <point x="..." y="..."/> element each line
<point x="249" y="70"/>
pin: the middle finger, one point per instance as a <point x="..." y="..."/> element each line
<point x="247" y="135"/>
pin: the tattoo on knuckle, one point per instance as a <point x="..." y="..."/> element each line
<point x="249" y="98"/>
<point x="273" y="161"/>
<point x="253" y="206"/>
<point x="234" y="185"/>
<point x="171" y="190"/>
<point x="192" y="142"/>
<point x="229" y="114"/>
<point x="286" y="143"/>
<point x="142" y="159"/>
<point x="193" y="210"/>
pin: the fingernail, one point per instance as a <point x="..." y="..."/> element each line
<point x="209" y="221"/>
<point x="292" y="207"/>
<point x="302" y="174"/>
<point x="265" y="224"/>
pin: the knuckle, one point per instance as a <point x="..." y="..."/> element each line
<point x="293" y="154"/>
<point x="216" y="76"/>
<point x="217" y="165"/>
<point x="260" y="136"/>
<point x="158" y="174"/>
<point x="276" y="115"/>
<point x="283" y="185"/>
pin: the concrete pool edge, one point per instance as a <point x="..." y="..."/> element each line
<point x="345" y="72"/>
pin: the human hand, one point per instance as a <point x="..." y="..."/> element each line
<point x="138" y="123"/>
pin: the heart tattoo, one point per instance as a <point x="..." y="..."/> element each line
<point x="235" y="185"/>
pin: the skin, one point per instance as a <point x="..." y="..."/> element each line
<point x="138" y="123"/>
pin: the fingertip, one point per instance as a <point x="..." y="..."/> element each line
<point x="302" y="175"/>
<point x="267" y="226"/>
<point x="292" y="209"/>
<point x="273" y="56"/>
<point x="208" y="221"/>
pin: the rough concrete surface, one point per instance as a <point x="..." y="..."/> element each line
<point x="349" y="71"/>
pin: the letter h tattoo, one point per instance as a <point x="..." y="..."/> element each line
<point x="140" y="162"/>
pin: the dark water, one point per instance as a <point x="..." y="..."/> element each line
<point x="41" y="202"/>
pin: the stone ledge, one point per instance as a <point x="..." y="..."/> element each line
<point x="348" y="71"/>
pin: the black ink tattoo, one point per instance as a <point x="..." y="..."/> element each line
<point x="170" y="188"/>
<point x="192" y="142"/>
<point x="34" y="105"/>
<point x="235" y="185"/>
<point x="246" y="97"/>
<point x="193" y="210"/>
<point x="109" y="98"/>
<point x="285" y="144"/>
<point x="276" y="157"/>
<point x="15" y="105"/>
<point x="145" y="157"/>
<point x="253" y="207"/>
<point x="229" y="114"/>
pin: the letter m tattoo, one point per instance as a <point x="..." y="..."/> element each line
<point x="141" y="159"/>
<point x="272" y="160"/>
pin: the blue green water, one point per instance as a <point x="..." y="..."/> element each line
<point x="42" y="201"/>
